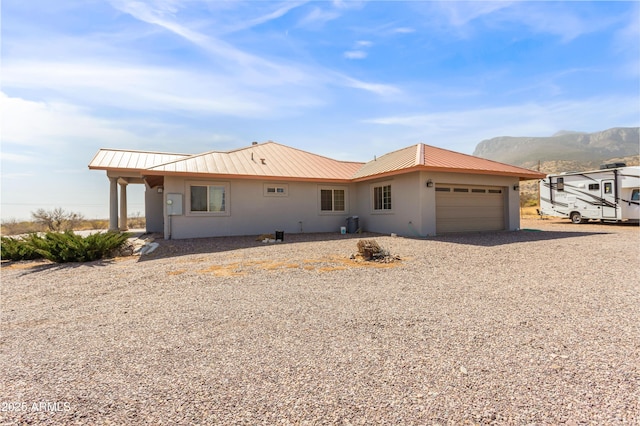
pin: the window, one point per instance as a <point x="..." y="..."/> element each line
<point x="276" y="190"/>
<point x="208" y="198"/>
<point x="479" y="191"/>
<point x="560" y="185"/>
<point x="442" y="189"/>
<point x="608" y="188"/>
<point x="382" y="197"/>
<point x="332" y="200"/>
<point x="635" y="195"/>
<point x="495" y="191"/>
<point x="594" y="187"/>
<point x="460" y="189"/>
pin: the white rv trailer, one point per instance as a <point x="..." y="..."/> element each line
<point x="609" y="194"/>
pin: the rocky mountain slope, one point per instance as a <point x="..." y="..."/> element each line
<point x="562" y="152"/>
<point x="565" y="150"/>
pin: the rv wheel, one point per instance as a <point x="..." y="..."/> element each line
<point x="576" y="218"/>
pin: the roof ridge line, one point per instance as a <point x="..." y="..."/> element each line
<point x="420" y="154"/>
<point x="479" y="158"/>
<point x="188" y="157"/>
<point x="304" y="151"/>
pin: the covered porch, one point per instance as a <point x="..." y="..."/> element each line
<point x="126" y="168"/>
<point x="118" y="205"/>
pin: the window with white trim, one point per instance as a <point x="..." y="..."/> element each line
<point x="382" y="197"/>
<point x="208" y="198"/>
<point x="276" y="190"/>
<point x="333" y="200"/>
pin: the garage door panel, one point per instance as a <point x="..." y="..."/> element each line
<point x="475" y="209"/>
<point x="469" y="199"/>
<point x="458" y="212"/>
<point x="471" y="226"/>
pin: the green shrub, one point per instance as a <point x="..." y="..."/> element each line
<point x="64" y="247"/>
<point x="17" y="249"/>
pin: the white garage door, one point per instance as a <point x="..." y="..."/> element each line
<point x="466" y="208"/>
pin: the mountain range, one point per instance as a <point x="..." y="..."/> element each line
<point x="565" y="150"/>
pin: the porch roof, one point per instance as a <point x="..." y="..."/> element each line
<point x="120" y="159"/>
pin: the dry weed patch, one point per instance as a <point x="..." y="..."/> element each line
<point x="332" y="268"/>
<point x="230" y="270"/>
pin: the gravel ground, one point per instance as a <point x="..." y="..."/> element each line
<point x="538" y="326"/>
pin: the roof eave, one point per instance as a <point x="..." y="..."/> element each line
<point x="117" y="169"/>
<point x="521" y="176"/>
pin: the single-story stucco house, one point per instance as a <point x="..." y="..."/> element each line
<point x="420" y="190"/>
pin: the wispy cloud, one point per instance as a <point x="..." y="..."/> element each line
<point x="33" y="132"/>
<point x="254" y="70"/>
<point x="380" y="89"/>
<point x="358" y="51"/>
<point x="271" y="15"/>
<point x="460" y="14"/>
<point x="557" y="19"/>
<point x="159" y="16"/>
<point x="141" y="88"/>
<point x="567" y="21"/>
<point x="8" y="157"/>
<point x="355" y="54"/>
<point x="53" y="125"/>
<point x="468" y="127"/>
<point x="317" y="17"/>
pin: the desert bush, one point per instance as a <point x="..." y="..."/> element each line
<point x="65" y="247"/>
<point x="57" y="219"/>
<point x="17" y="249"/>
<point x="15" y="227"/>
<point x="528" y="199"/>
<point x="97" y="224"/>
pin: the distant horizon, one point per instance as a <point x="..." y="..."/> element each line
<point x="347" y="80"/>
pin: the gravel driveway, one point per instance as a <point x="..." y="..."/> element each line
<point x="539" y="326"/>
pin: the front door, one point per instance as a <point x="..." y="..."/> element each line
<point x="608" y="200"/>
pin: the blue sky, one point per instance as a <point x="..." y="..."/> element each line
<point x="345" y="79"/>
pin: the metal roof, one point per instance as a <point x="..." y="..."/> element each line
<point x="426" y="157"/>
<point x="275" y="161"/>
<point x="269" y="159"/>
<point x="402" y="159"/>
<point x="111" y="159"/>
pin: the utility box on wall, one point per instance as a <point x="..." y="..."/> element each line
<point x="174" y="204"/>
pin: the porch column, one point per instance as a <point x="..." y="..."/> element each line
<point x="113" y="204"/>
<point x="123" y="206"/>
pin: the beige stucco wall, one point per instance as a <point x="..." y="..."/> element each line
<point x="153" y="208"/>
<point x="407" y="200"/>
<point x="250" y="212"/>
<point x="413" y="203"/>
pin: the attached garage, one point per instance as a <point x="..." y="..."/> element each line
<point x="467" y="208"/>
